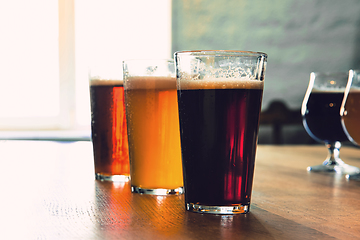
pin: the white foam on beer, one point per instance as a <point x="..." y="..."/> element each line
<point x="220" y="83"/>
<point x="150" y="82"/>
<point x="105" y="82"/>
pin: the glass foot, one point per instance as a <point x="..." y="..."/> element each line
<point x="347" y="169"/>
<point x="327" y="166"/>
<point x="112" y="178"/>
<point x="337" y="166"/>
<point x="322" y="168"/>
<point x="354" y="176"/>
<point x="232" y="209"/>
<point x="333" y="163"/>
<point x="158" y="191"/>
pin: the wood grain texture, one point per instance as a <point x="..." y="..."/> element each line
<point x="49" y="192"/>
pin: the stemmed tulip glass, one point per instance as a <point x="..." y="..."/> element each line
<point x="321" y="118"/>
<point x="350" y="113"/>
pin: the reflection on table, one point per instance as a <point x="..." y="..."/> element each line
<point x="49" y="192"/>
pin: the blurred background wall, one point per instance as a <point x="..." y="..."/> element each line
<point x="298" y="36"/>
<point x="53" y="49"/>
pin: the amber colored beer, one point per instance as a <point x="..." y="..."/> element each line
<point x="109" y="130"/>
<point x="154" y="137"/>
<point x="351" y="115"/>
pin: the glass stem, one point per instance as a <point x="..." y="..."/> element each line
<point x="334" y="153"/>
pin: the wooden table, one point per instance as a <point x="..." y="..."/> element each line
<point x="49" y="192"/>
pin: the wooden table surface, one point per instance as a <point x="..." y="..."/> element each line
<point x="49" y="192"/>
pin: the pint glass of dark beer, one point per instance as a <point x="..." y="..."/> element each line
<point x="219" y="98"/>
<point x="153" y="127"/>
<point x="108" y="125"/>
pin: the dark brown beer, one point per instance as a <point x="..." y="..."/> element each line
<point x="109" y="130"/>
<point x="322" y="118"/>
<point x="219" y="125"/>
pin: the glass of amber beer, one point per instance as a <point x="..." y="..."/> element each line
<point x="153" y="127"/>
<point x="108" y="125"/>
<point x="219" y="98"/>
<point x="350" y="114"/>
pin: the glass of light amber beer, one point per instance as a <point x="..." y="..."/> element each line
<point x="219" y="98"/>
<point x="350" y="114"/>
<point x="153" y="127"/>
<point x="108" y="125"/>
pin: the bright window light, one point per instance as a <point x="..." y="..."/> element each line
<point x="29" y="59"/>
<point x="110" y="31"/>
<point x="47" y="47"/>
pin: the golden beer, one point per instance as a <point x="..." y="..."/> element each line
<point x="153" y="132"/>
<point x="351" y="115"/>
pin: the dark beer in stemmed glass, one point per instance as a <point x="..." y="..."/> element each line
<point x="321" y="117"/>
<point x="219" y="98"/>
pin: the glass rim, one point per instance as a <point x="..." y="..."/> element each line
<point x="221" y="53"/>
<point x="355" y="70"/>
<point x="330" y="73"/>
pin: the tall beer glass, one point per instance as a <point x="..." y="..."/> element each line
<point x="219" y="97"/>
<point x="153" y="127"/>
<point x="350" y="114"/>
<point x="321" y="117"/>
<point x="108" y="125"/>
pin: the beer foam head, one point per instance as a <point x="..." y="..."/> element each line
<point x="328" y="81"/>
<point x="150" y="82"/>
<point x="105" y="82"/>
<point x="220" y="83"/>
<point x="220" y="69"/>
<point x="328" y="90"/>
